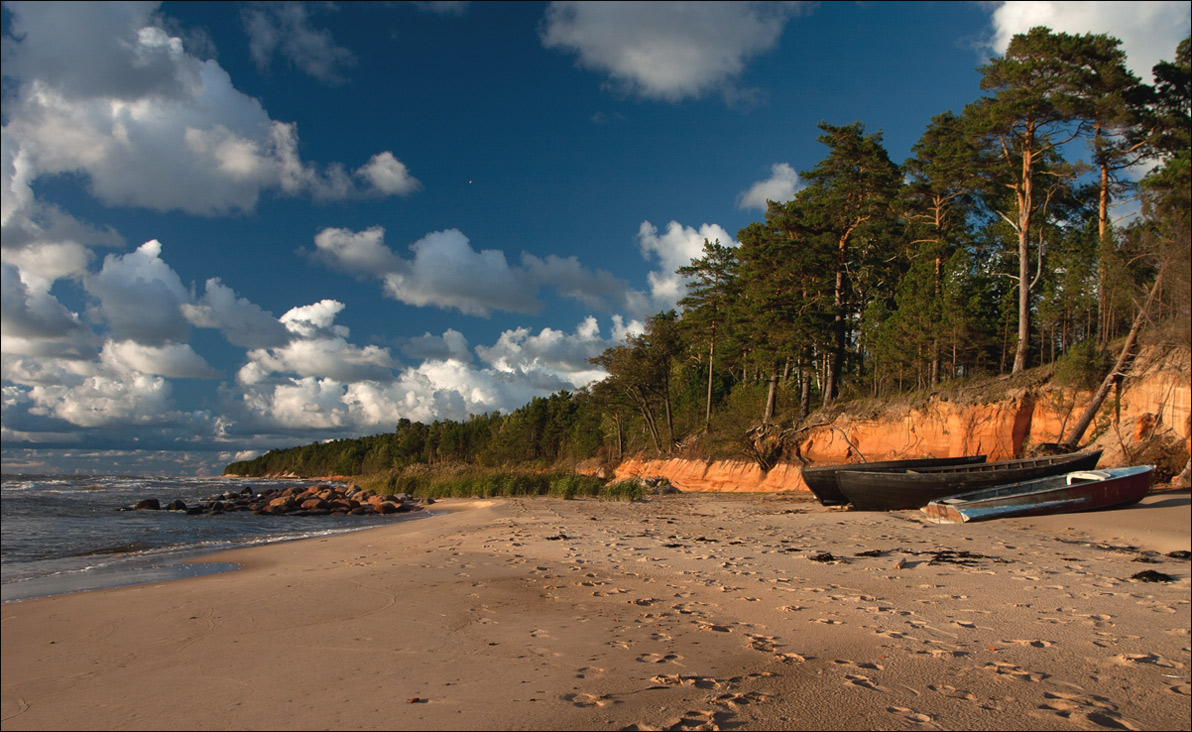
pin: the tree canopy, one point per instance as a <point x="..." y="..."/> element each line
<point x="994" y="248"/>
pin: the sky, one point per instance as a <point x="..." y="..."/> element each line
<point x="229" y="227"/>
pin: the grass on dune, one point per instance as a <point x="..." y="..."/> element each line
<point x="450" y="482"/>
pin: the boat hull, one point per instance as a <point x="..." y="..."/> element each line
<point x="823" y="482"/>
<point x="888" y="490"/>
<point x="1075" y="491"/>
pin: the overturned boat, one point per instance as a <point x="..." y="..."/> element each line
<point x="898" y="488"/>
<point x="1081" y="490"/>
<point x="823" y="479"/>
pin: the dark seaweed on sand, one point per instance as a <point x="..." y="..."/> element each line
<point x="1151" y="575"/>
<point x="964" y="557"/>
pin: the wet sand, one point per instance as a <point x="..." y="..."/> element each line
<point x="689" y="611"/>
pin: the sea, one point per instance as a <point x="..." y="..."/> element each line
<point x="61" y="534"/>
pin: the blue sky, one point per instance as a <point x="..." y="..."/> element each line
<point x="229" y="227"/>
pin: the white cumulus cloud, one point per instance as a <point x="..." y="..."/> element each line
<point x="279" y="391"/>
<point x="103" y="90"/>
<point x="550" y="353"/>
<point x="674" y="248"/>
<point x="140" y="297"/>
<point x="59" y="394"/>
<point x="780" y="187"/>
<point x="447" y="272"/>
<point x="388" y="175"/>
<point x="319" y="349"/>
<point x="357" y="252"/>
<point x="667" y="50"/>
<point x="172" y="360"/>
<point x="33" y="312"/>
<point x="451" y="345"/>
<point x="242" y="322"/>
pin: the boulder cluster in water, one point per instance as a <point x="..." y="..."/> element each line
<point x="316" y="500"/>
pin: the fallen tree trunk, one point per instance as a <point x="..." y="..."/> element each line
<point x="1116" y="373"/>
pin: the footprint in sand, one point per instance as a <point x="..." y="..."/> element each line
<point x="695" y="720"/>
<point x="699" y="682"/>
<point x="715" y="628"/>
<point x="1031" y="643"/>
<point x="914" y="719"/>
<point x="658" y="658"/>
<point x="737" y="700"/>
<point x="1149" y="658"/>
<point x="857" y="664"/>
<point x="1009" y="669"/>
<point x="587" y="700"/>
<point x="953" y="693"/>
<point x="761" y="643"/>
<point x="1086" y="710"/>
<point x="862" y="681"/>
<point x="586" y="671"/>
<point x="1158" y="607"/>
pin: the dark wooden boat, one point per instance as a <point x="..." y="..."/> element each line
<point x="887" y="490"/>
<point x="1082" y="490"/>
<point x="822" y="480"/>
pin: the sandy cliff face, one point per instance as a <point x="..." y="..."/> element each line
<point x="1152" y="407"/>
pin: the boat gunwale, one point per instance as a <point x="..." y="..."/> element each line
<point x="823" y="480"/>
<point x="1023" y="498"/>
<point x="890" y="491"/>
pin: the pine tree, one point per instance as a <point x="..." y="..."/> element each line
<point x="937" y="203"/>
<point x="711" y="283"/>
<point x="850" y="198"/>
<point x="1032" y="112"/>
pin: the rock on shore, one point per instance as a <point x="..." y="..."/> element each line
<point x="315" y="500"/>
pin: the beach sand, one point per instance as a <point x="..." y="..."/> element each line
<point x="688" y="611"/>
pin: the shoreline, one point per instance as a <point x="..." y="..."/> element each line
<point x="690" y="610"/>
<point x="166" y="566"/>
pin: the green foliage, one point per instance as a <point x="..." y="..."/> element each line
<point x="1083" y="366"/>
<point x="471" y="482"/>
<point x="986" y="252"/>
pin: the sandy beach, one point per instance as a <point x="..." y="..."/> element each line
<point x="688" y="611"/>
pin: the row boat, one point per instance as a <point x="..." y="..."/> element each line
<point x="891" y="489"/>
<point x="823" y="482"/>
<point x="1083" y="490"/>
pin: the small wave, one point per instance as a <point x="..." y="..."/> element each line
<point x="130" y="548"/>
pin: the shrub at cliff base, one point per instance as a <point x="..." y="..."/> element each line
<point x="471" y="482"/>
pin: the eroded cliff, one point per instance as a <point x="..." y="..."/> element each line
<point x="1148" y="419"/>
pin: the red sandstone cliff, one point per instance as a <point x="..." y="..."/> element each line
<point x="1151" y="410"/>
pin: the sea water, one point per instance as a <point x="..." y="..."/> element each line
<point x="64" y="534"/>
